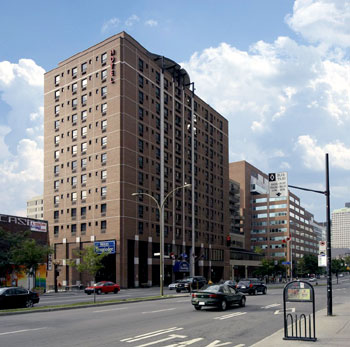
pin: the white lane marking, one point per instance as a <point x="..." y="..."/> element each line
<point x="111" y="309"/>
<point x="217" y="343"/>
<point x="231" y="315"/>
<point x="185" y="343"/>
<point x="151" y="334"/>
<point x="171" y="337"/>
<point x="240" y="345"/>
<point x="288" y="309"/>
<point x="21" y="331"/>
<point x="167" y="309"/>
<point x="270" y="306"/>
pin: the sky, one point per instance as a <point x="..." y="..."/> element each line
<point x="278" y="70"/>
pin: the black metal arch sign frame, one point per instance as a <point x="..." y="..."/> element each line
<point x="303" y="292"/>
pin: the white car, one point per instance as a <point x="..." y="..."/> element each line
<point x="172" y="285"/>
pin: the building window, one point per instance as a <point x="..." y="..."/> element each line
<point x="140" y="113"/>
<point x="74" y="165"/>
<point x="57" y="124"/>
<point x="73" y="229"/>
<point x="57" y="94"/>
<point x="140" y="227"/>
<point x="74" y="118"/>
<point x="141" y="162"/>
<point x="83" y="228"/>
<point x="74" y="87"/>
<point x="56" y="199"/>
<point x="74" y="181"/>
<point x="74" y="134"/>
<point x="57" y="139"/>
<point x="103" y="91"/>
<point x="84" y="147"/>
<point x="104" y="125"/>
<point x="140" y="211"/>
<point x="140" y="81"/>
<point x="83" y="195"/>
<point x="55" y="230"/>
<point x="157" y="77"/>
<point x="103" y="224"/>
<point x="57" y="79"/>
<point x="83" y="163"/>
<point x="73" y="212"/>
<point x="140" y="97"/>
<point x="104" y="158"/>
<point x="83" y="131"/>
<point x="103" y="208"/>
<point x="74" y="196"/>
<point x="103" y="58"/>
<point x="83" y="179"/>
<point x="84" y="99"/>
<point x="140" y="178"/>
<point x="74" y="150"/>
<point x="103" y="191"/>
<point x="83" y="115"/>
<point x="104" y="108"/>
<point x="83" y="68"/>
<point x="83" y="211"/>
<point x="104" y="174"/>
<point x="74" y="72"/>
<point x="140" y="64"/>
<point x="141" y="146"/>
<point x="56" y="184"/>
<point x="140" y="129"/>
<point x="104" y="75"/>
<point x="74" y="103"/>
<point x="57" y="109"/>
<point x="84" y="83"/>
<point x="56" y="169"/>
<point x="104" y="141"/>
<point x="56" y="154"/>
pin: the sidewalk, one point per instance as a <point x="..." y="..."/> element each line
<point x="330" y="330"/>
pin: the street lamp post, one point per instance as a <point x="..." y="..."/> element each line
<point x="160" y="206"/>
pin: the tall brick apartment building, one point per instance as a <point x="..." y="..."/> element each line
<point x="119" y="120"/>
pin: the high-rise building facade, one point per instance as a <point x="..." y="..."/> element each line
<point x="340" y="228"/>
<point x="35" y="207"/>
<point x="280" y="227"/>
<point x="120" y="120"/>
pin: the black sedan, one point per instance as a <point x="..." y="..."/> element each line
<point x="12" y="297"/>
<point x="251" y="286"/>
<point x="217" y="295"/>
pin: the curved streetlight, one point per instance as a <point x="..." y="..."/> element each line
<point x="160" y="207"/>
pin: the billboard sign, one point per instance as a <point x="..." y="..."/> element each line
<point x="105" y="247"/>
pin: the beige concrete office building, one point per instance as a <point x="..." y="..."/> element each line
<point x="35" y="207"/>
<point x="281" y="227"/>
<point x="120" y="120"/>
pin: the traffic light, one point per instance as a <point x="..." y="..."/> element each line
<point x="228" y="240"/>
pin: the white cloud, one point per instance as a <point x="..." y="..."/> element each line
<point x="151" y="23"/>
<point x="21" y="134"/>
<point x="132" y="20"/>
<point x="314" y="155"/>
<point x="322" y="21"/>
<point x="111" y="24"/>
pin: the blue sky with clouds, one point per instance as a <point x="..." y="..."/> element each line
<point x="279" y="71"/>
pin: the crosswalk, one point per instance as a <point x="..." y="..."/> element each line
<point x="172" y="337"/>
<point x="230" y="315"/>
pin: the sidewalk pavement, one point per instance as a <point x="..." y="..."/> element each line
<point x="330" y="330"/>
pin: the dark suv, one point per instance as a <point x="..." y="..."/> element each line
<point x="191" y="283"/>
<point x="251" y="286"/>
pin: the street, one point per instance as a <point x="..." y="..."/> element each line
<point x="172" y="322"/>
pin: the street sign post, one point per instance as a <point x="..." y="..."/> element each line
<point x="278" y="184"/>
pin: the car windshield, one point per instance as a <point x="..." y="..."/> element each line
<point x="244" y="283"/>
<point x="99" y="284"/>
<point x="2" y="290"/>
<point x="188" y="279"/>
<point x="212" y="289"/>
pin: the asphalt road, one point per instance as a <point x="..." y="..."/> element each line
<point x="170" y="322"/>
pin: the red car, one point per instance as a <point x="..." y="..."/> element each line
<point x="103" y="287"/>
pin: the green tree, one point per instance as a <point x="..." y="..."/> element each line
<point x="90" y="262"/>
<point x="30" y="254"/>
<point x="307" y="265"/>
<point x="9" y="241"/>
<point x="338" y="266"/>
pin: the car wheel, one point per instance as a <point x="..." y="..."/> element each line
<point x="99" y="291"/>
<point x="116" y="291"/>
<point x="242" y="302"/>
<point x="29" y="303"/>
<point x="178" y="290"/>
<point x="223" y="305"/>
<point x="198" y="308"/>
<point x="264" y="291"/>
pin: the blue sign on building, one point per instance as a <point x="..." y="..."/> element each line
<point x="181" y="266"/>
<point x="105" y="246"/>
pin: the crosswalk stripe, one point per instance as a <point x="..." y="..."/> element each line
<point x="151" y="334"/>
<point x="236" y="314"/>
